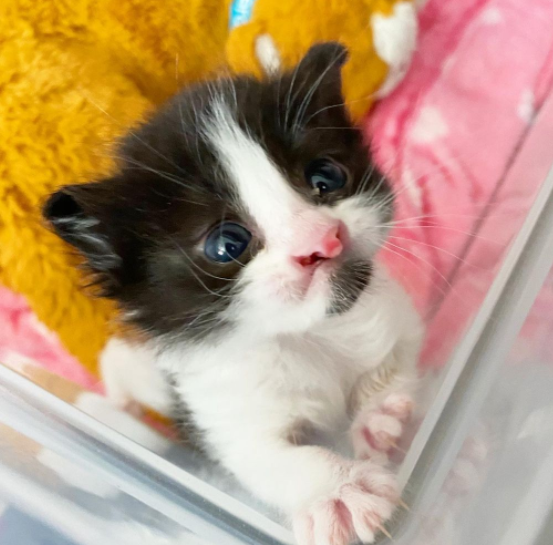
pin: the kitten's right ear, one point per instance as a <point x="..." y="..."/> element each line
<point x="325" y="57"/>
<point x="73" y="212"/>
<point x="317" y="78"/>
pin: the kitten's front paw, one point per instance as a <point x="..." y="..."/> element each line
<point x="376" y="431"/>
<point x="356" y="510"/>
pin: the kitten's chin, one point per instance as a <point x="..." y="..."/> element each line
<point x="333" y="288"/>
<point x="273" y="317"/>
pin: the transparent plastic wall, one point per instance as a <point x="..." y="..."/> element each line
<point x="49" y="499"/>
<point x="498" y="488"/>
<point x="480" y="469"/>
<point x="63" y="470"/>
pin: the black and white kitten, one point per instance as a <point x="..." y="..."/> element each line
<point x="240" y="235"/>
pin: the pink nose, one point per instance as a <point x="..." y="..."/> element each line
<point x="328" y="246"/>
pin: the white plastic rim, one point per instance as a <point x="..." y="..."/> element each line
<point x="144" y="475"/>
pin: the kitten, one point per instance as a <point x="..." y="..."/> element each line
<point x="240" y="235"/>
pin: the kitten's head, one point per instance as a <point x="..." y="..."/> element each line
<point x="241" y="203"/>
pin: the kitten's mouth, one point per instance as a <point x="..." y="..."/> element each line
<point x="312" y="261"/>
<point x="341" y="278"/>
<point x="319" y="270"/>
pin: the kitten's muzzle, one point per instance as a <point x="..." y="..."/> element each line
<point x="328" y="245"/>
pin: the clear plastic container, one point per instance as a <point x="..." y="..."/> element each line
<point x="479" y="468"/>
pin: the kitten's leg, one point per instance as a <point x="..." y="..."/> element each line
<point x="382" y="403"/>
<point x="131" y="378"/>
<point x="331" y="500"/>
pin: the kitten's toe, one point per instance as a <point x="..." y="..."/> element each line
<point x="356" y="510"/>
<point x="399" y="405"/>
<point x="375" y="435"/>
<point x="376" y="431"/>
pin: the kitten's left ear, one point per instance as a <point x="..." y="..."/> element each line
<point x="80" y="215"/>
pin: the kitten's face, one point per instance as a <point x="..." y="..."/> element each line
<point x="241" y="203"/>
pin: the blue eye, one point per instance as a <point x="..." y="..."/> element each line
<point x="227" y="242"/>
<point x="325" y="176"/>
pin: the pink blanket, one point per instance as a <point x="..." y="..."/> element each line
<point x="464" y="139"/>
<point x="24" y="340"/>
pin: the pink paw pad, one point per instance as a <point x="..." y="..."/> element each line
<point x="376" y="432"/>
<point x="381" y="431"/>
<point x="356" y="510"/>
<point x="399" y="406"/>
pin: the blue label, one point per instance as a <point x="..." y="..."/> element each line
<point x="240" y="12"/>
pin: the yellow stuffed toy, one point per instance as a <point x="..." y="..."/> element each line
<point x="380" y="37"/>
<point x="76" y="75"/>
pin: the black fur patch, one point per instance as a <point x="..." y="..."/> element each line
<point x="348" y="282"/>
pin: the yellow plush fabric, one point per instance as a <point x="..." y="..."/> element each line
<point x="295" y="25"/>
<point x="74" y="76"/>
<point x="77" y="74"/>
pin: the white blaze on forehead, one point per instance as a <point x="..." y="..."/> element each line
<point x="260" y="186"/>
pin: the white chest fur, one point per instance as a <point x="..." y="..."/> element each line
<point x="249" y="396"/>
<point x="264" y="386"/>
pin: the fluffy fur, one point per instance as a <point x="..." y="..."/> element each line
<point x="74" y="77"/>
<point x="300" y="341"/>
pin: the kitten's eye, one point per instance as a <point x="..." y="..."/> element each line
<point x="325" y="176"/>
<point x="227" y="242"/>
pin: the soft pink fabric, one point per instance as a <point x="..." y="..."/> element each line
<point x="465" y="141"/>
<point x="23" y="340"/>
<point x="448" y="137"/>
